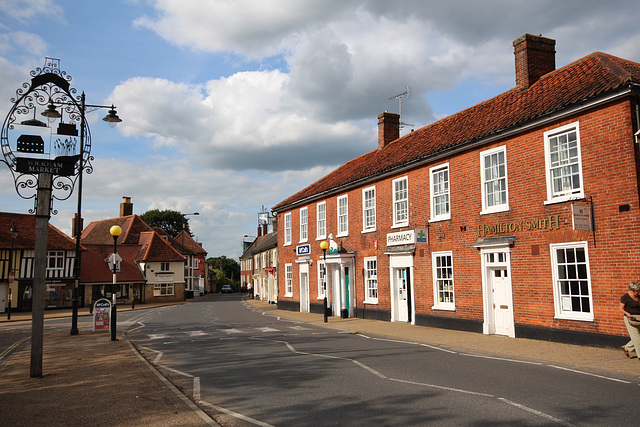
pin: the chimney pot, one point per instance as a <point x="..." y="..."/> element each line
<point x="388" y="128"/>
<point x="535" y="56"/>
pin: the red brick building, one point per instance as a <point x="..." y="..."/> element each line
<point x="519" y="216"/>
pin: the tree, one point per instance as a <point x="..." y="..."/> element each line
<point x="228" y="266"/>
<point x="170" y="221"/>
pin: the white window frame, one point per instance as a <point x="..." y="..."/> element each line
<point x="57" y="258"/>
<point x="322" y="285"/>
<point x="165" y="267"/>
<point x="343" y="215"/>
<point x="495" y="207"/>
<point x="370" y="280"/>
<point x="562" y="301"/>
<point x="321" y="220"/>
<point x="304" y="225"/>
<point x="438" y="278"/>
<point x="288" y="280"/>
<point x="446" y="192"/>
<point x="573" y="193"/>
<point x="287" y="229"/>
<point x="400" y="202"/>
<point x="369" y="209"/>
<point x="163" y="289"/>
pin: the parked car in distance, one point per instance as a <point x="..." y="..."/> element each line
<point x="226" y="289"/>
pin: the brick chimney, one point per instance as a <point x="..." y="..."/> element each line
<point x="126" y="207"/>
<point x="388" y="128"/>
<point x="535" y="57"/>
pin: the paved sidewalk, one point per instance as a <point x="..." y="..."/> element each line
<point x="87" y="380"/>
<point x="90" y="380"/>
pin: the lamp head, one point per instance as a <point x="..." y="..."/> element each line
<point x="14" y="231"/>
<point x="51" y="113"/>
<point x="112" y="118"/>
<point x="115" y="231"/>
<point x="324" y="245"/>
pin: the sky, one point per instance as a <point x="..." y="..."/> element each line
<point x="232" y="105"/>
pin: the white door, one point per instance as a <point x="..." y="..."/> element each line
<point x="401" y="287"/>
<point x="304" y="292"/>
<point x="3" y="297"/>
<point x="502" y="300"/>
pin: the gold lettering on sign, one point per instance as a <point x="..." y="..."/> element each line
<point x="552" y="222"/>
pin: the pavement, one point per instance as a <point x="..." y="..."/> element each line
<point x="89" y="379"/>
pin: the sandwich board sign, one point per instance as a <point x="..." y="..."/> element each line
<point x="102" y="315"/>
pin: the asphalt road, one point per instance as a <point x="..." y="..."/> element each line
<point x="247" y="367"/>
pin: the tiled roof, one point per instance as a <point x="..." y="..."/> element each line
<point x="155" y="248"/>
<point x="97" y="232"/>
<point x="264" y="242"/>
<point x="184" y="243"/>
<point x="26" y="226"/>
<point x="585" y="78"/>
<point x="94" y="268"/>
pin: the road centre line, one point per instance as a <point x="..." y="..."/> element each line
<point x="538" y="413"/>
<point x="455" y="390"/>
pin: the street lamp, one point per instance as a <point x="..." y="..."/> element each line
<point x="46" y="165"/>
<point x="14" y="236"/>
<point x="115" y="231"/>
<point x="324" y="246"/>
<point x="112" y="119"/>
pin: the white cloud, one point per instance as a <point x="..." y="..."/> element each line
<point x="26" y="10"/>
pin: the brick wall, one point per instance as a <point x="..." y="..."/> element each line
<point x="609" y="179"/>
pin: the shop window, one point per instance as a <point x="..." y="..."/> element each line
<point x="288" y="275"/>
<point x="371" y="280"/>
<point x="443" y="289"/>
<point x="322" y="283"/>
<point x="572" y="284"/>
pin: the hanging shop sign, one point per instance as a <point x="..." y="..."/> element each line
<point x="303" y="250"/>
<point x="552" y="222"/>
<point x="581" y="215"/>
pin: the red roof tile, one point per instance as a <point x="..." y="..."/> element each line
<point x="94" y="268"/>
<point x="26" y="226"/>
<point x="585" y="78"/>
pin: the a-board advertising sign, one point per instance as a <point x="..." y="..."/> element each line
<point x="102" y="315"/>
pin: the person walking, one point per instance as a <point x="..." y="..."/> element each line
<point x="630" y="307"/>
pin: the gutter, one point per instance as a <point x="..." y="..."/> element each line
<point x="515" y="129"/>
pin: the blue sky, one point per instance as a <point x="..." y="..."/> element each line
<point x="231" y="105"/>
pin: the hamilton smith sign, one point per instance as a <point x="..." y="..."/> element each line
<point x="552" y="222"/>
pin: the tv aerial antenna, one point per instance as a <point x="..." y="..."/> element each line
<point x="399" y="97"/>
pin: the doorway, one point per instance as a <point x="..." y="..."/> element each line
<point x="498" y="293"/>
<point x="402" y="295"/>
<point x="304" y="288"/>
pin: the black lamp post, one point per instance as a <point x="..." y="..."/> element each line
<point x="324" y="246"/>
<point x="14" y="236"/>
<point x="112" y="119"/>
<point x="115" y="231"/>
